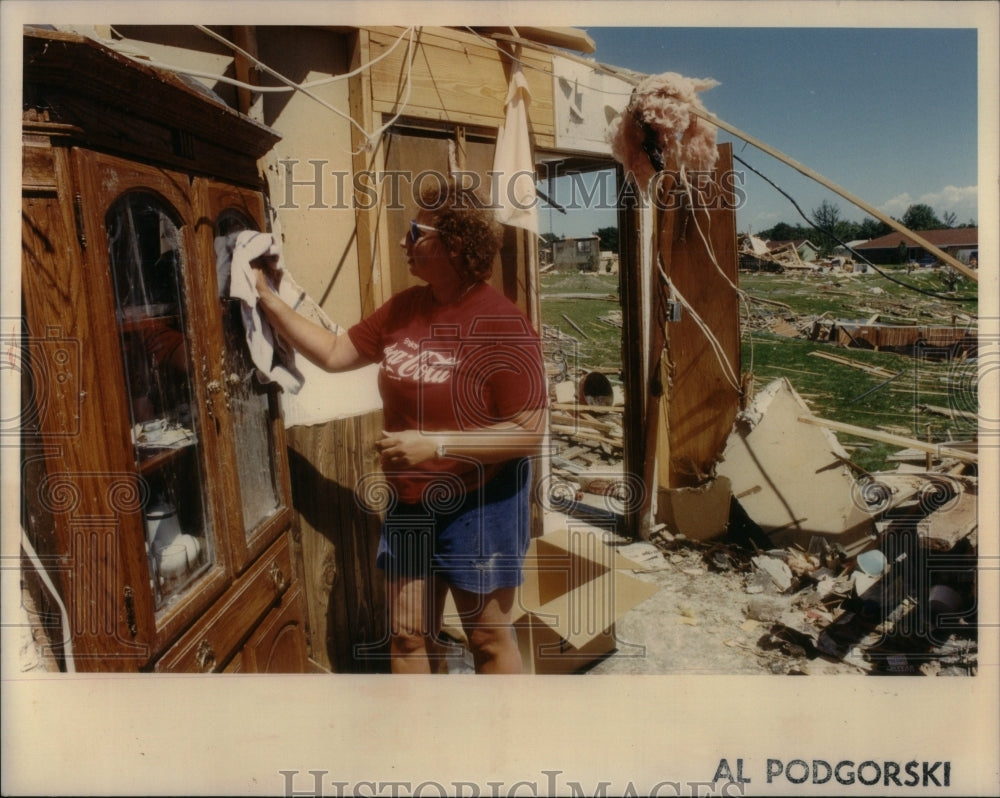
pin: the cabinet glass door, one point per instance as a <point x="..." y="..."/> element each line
<point x="249" y="401"/>
<point x="147" y="256"/>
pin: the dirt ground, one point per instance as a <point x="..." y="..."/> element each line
<point x="716" y="612"/>
<point x="702" y="621"/>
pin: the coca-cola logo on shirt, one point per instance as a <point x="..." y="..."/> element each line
<point x="409" y="362"/>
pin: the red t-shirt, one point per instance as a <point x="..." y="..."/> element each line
<point x="458" y="367"/>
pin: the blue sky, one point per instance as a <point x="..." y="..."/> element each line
<point x="888" y="114"/>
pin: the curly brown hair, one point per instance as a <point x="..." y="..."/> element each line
<point x="461" y="217"/>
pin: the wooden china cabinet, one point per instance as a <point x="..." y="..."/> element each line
<point x="155" y="475"/>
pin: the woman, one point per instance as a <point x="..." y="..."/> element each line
<point x="464" y="391"/>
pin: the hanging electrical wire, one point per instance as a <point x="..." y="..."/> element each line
<point x="311" y="84"/>
<point x="718" y="350"/>
<point x="743" y="296"/>
<point x="850" y="249"/>
<point x="371" y="139"/>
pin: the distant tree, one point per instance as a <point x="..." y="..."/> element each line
<point x="781" y="232"/>
<point x="609" y="238"/>
<point x="921" y="217"/>
<point x="827" y="215"/>
<point x="827" y="218"/>
<point x="872" y="228"/>
<point x="949" y="218"/>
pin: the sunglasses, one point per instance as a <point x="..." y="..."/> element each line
<point x="416" y="230"/>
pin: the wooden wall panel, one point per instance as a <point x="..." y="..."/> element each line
<point x="345" y="592"/>
<point x="700" y="401"/>
<point x="457" y="77"/>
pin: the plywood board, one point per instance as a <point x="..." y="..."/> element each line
<point x="791" y="478"/>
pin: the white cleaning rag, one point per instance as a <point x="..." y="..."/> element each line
<point x="513" y="164"/>
<point x="275" y="360"/>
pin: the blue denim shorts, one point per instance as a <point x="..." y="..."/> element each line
<point x="477" y="545"/>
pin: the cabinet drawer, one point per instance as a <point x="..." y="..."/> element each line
<point x="279" y="644"/>
<point x="210" y="643"/>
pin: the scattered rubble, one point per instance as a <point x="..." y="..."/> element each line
<point x="817" y="567"/>
<point x="585" y="425"/>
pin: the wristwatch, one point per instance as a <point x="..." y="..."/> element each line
<point x="442" y="451"/>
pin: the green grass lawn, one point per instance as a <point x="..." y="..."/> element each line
<point x="859" y="296"/>
<point x="832" y="391"/>
<point x="600" y="344"/>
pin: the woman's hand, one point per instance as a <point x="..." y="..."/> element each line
<point x="406" y="448"/>
<point x="267" y="275"/>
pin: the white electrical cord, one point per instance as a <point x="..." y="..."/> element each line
<point x="743" y="296"/>
<point x="305" y="88"/>
<point x="371" y="138"/>
<point x="717" y="349"/>
<point x="63" y="614"/>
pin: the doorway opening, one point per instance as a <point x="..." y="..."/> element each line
<point x="582" y="325"/>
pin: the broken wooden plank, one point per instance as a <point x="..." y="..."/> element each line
<point x="954" y="522"/>
<point x="894" y="440"/>
<point x="565" y="420"/>
<point x="844" y="361"/>
<point x="601" y="297"/>
<point x="951" y="412"/>
<point x="574" y="407"/>
<point x="575" y="326"/>
<point x="576" y="432"/>
<point x="572" y="451"/>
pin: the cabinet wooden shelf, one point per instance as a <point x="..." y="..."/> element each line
<point x="156" y="471"/>
<point x="153" y="458"/>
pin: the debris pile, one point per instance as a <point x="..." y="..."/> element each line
<point x="585" y="423"/>
<point x="875" y="570"/>
<point x="757" y="255"/>
<point x="868" y="319"/>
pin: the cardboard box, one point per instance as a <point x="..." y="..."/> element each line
<point x="700" y="513"/>
<point x="575" y="588"/>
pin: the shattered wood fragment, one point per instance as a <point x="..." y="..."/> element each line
<point x="954" y="522"/>
<point x="575" y="326"/>
<point x="876" y="370"/>
<point x="582" y="434"/>
<point x="950" y="412"/>
<point x="939" y="450"/>
<point x="574" y="407"/>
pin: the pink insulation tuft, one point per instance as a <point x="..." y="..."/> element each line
<point x="658" y="131"/>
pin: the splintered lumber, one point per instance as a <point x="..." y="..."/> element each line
<point x="937" y="449"/>
<point x="566" y="420"/>
<point x="575" y="432"/>
<point x="601" y="297"/>
<point x="575" y="326"/>
<point x="878" y="371"/>
<point x="574" y="407"/>
<point x="951" y="412"/>
<point x="763" y="301"/>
